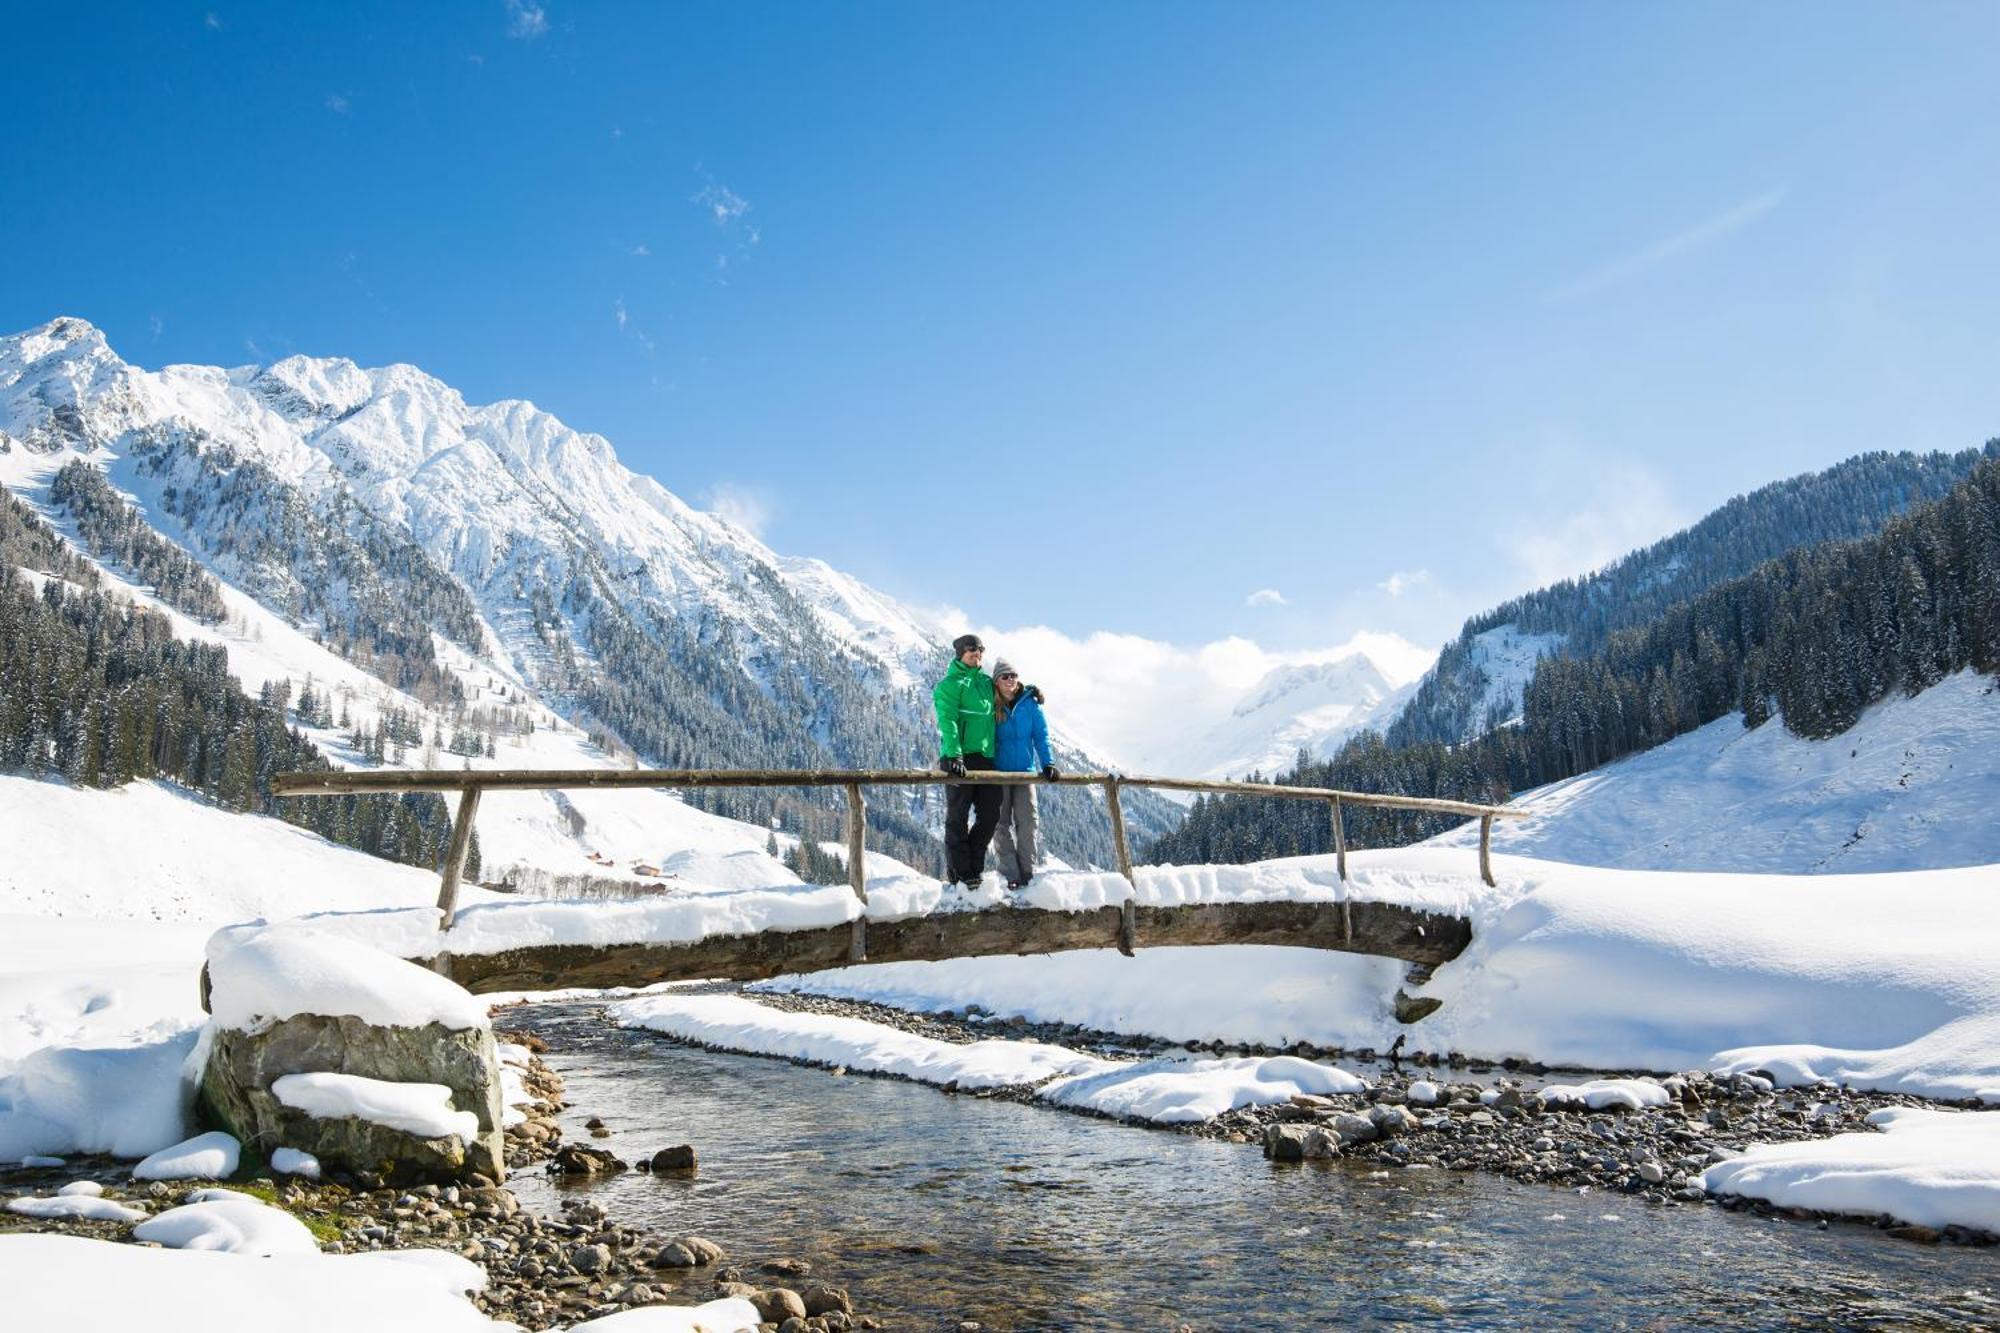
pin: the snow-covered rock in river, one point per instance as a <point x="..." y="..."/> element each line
<point x="349" y="1055"/>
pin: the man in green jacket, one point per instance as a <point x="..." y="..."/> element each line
<point x="964" y="700"/>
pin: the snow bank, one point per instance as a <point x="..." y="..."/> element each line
<point x="1604" y="1094"/>
<point x="1169" y="1090"/>
<point x="196" y="864"/>
<point x="236" y="1225"/>
<point x="1236" y="994"/>
<point x="124" y="1100"/>
<point x="86" y="1206"/>
<point x="734" y="1315"/>
<point x="210" y="1156"/>
<point x="737" y="1024"/>
<point x="295" y="1162"/>
<point x="262" y="974"/>
<point x="135" y="987"/>
<point x="1174" y="1090"/>
<point x="1959" y="1059"/>
<point x="68" y="1282"/>
<point x="1879" y="981"/>
<point x="1930" y="1168"/>
<point x="423" y="1109"/>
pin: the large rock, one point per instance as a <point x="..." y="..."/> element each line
<point x="235" y="1093"/>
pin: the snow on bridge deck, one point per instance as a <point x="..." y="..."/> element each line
<point x="757" y="933"/>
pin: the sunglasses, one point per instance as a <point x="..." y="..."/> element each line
<point x="1010" y="676"/>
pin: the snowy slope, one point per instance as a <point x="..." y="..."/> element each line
<point x="1912" y="786"/>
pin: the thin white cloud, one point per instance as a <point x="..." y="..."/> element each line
<point x="159" y="325"/>
<point x="1266" y="597"/>
<point x="1692" y="238"/>
<point x="1625" y="506"/>
<point x="618" y="312"/>
<point x="337" y="104"/>
<point x="1403" y="580"/>
<point x="212" y="20"/>
<point x="526" y="21"/>
<point x="724" y="205"/>
<point x="641" y="250"/>
<point x="745" y="507"/>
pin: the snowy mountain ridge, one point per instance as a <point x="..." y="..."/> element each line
<point x="490" y="557"/>
<point x="1310" y="706"/>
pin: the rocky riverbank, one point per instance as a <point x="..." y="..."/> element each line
<point x="1412" y="1118"/>
<point x="542" y="1272"/>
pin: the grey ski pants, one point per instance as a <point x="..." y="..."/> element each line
<point x="1014" y="839"/>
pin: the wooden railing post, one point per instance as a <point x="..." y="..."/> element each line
<point x="454" y="857"/>
<point x="857" y="869"/>
<point x="1340" y="863"/>
<point x="1128" y="921"/>
<point x="454" y="866"/>
<point x="1486" y="849"/>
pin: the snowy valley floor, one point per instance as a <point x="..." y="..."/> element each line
<point x="1856" y="996"/>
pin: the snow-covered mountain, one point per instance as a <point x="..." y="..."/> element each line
<point x="1310" y="706"/>
<point x="488" y="567"/>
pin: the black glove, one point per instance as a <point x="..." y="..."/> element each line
<point x="1049" y="772"/>
<point x="954" y="768"/>
<point x="1034" y="692"/>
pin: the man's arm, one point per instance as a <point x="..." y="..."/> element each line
<point x="944" y="698"/>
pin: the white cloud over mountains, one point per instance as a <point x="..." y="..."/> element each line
<point x="1137" y="702"/>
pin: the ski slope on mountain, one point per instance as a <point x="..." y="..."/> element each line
<point x="1912" y="786"/>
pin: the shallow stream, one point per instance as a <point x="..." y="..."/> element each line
<point x="933" y="1209"/>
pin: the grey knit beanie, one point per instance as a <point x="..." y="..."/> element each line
<point x="1004" y="668"/>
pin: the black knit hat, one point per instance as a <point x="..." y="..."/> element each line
<point x="964" y="644"/>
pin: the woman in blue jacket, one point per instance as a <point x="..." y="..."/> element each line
<point x="1020" y="745"/>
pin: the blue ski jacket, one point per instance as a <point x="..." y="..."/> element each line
<point x="1021" y="744"/>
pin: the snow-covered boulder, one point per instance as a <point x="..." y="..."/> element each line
<point x="322" y="1045"/>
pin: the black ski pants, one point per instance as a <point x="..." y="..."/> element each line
<point x="965" y="848"/>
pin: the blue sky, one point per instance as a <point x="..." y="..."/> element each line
<point x="1100" y="317"/>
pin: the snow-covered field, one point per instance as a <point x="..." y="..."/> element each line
<point x="1912" y="786"/>
<point x="1889" y="980"/>
<point x="1882" y="981"/>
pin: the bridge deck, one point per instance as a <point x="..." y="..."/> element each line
<point x="1387" y="929"/>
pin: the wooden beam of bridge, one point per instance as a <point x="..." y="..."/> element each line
<point x="469" y="783"/>
<point x="1387" y="929"/>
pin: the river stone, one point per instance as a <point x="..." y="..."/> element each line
<point x="574" y="1159"/>
<point x="1353" y="1128"/>
<point x="590" y="1258"/>
<point x="824" y="1300"/>
<point x="680" y="1157"/>
<point x="1285" y="1143"/>
<point x="1321" y="1144"/>
<point x="777" y="1304"/>
<point x="235" y="1095"/>
<point x="1389" y="1121"/>
<point x="1652" y="1172"/>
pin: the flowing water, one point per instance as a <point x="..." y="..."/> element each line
<point x="933" y="1209"/>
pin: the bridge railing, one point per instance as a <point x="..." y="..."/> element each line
<point x="469" y="783"/>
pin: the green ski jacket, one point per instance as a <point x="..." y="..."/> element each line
<point x="964" y="700"/>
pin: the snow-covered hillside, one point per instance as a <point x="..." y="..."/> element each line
<point x="1912" y="786"/>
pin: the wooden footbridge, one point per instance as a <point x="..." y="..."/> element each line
<point x="1422" y="938"/>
